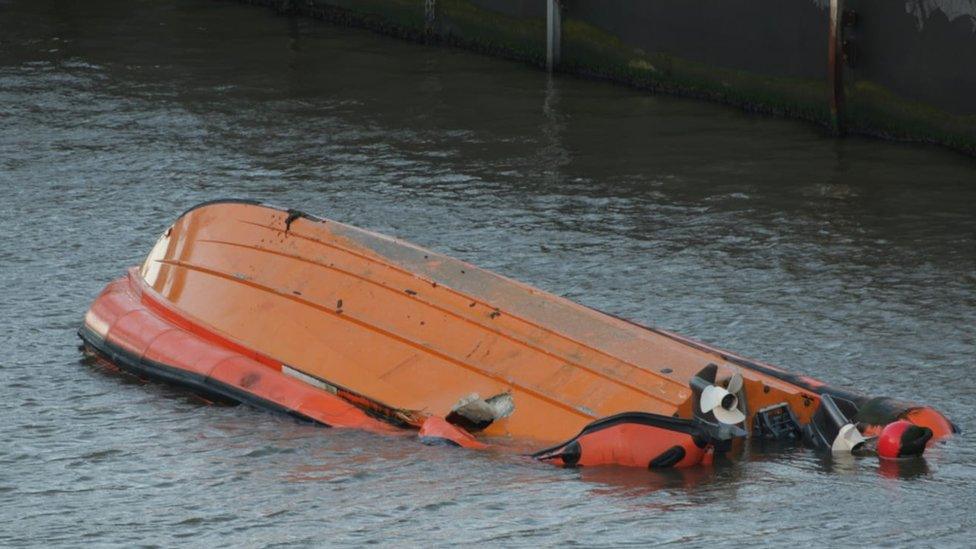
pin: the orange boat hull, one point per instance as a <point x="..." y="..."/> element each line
<point x="351" y="328"/>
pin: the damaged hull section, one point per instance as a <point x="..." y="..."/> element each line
<point x="247" y="302"/>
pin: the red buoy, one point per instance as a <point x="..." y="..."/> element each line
<point x="902" y="439"/>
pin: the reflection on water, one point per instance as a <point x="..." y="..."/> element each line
<point x="637" y="484"/>
<point x="904" y="469"/>
<point x="850" y="260"/>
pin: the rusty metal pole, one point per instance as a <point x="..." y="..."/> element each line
<point x="553" y="34"/>
<point x="835" y="66"/>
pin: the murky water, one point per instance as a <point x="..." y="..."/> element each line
<point x="852" y="260"/>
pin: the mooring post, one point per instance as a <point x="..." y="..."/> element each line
<point x="553" y="33"/>
<point x="835" y="65"/>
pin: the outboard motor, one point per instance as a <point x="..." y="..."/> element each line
<point x="832" y="428"/>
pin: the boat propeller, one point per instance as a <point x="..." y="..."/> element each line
<point x="723" y="402"/>
<point x="831" y="427"/>
<point x="716" y="408"/>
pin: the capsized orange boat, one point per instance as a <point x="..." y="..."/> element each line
<point x="245" y="302"/>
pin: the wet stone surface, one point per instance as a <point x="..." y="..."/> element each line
<point x="853" y="261"/>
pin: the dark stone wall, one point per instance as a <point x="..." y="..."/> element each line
<point x="515" y="8"/>
<point x="778" y="37"/>
<point x="911" y="76"/>
<point x="913" y="49"/>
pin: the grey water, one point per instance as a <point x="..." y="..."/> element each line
<point x="851" y="260"/>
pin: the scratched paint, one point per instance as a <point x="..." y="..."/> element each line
<point x="849" y="260"/>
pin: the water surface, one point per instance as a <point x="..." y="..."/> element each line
<point x="851" y="260"/>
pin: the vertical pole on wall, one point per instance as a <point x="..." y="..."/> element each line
<point x="835" y="65"/>
<point x="553" y="34"/>
<point x="430" y="17"/>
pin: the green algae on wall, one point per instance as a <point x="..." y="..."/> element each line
<point x="874" y="110"/>
<point x="402" y="18"/>
<point x="462" y="23"/>
<point x="763" y="85"/>
<point x="456" y="22"/>
<point x="592" y="51"/>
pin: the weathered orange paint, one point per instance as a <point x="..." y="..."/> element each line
<point x="385" y="332"/>
<point x="415" y="330"/>
<point x="921" y="416"/>
<point x="925" y="416"/>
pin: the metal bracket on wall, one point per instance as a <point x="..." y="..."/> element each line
<point x="554" y="21"/>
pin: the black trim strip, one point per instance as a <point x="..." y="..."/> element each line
<point x="207" y="387"/>
<point x="293" y="213"/>
<point x="248" y="201"/>
<point x="668" y="458"/>
<point x="782" y="375"/>
<point x="679" y="425"/>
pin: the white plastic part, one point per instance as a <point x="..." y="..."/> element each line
<point x="313" y="381"/>
<point x="730" y="417"/>
<point x="711" y="398"/>
<point x="847" y="439"/>
<point x="490" y="409"/>
<point x="735" y="384"/>
<point x="96" y="324"/>
<point x="711" y="401"/>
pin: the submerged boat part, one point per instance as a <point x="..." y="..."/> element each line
<point x="246" y="302"/>
<point x="655" y="441"/>
<point x="437" y="431"/>
<point x="635" y="439"/>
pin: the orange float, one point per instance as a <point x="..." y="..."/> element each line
<point x="245" y="302"/>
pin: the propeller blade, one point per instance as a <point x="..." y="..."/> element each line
<point x="729" y="417"/>
<point x="712" y="399"/>
<point x="735" y="384"/>
<point x="848" y="438"/>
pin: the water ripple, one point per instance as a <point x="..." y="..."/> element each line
<point x="849" y="260"/>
